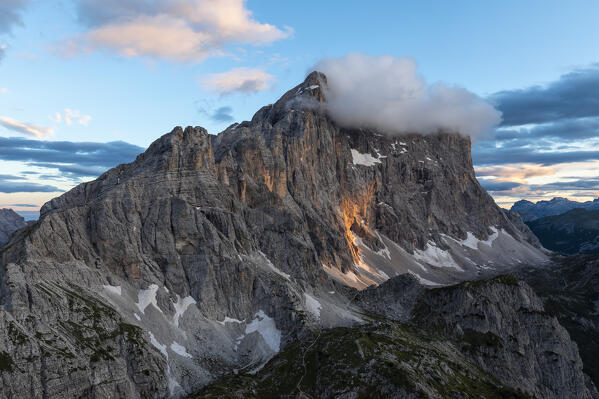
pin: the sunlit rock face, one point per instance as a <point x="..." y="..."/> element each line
<point x="209" y="254"/>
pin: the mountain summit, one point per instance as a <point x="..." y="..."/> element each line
<point x="210" y="254"/>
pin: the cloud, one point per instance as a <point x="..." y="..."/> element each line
<point x="176" y="30"/>
<point x="573" y="95"/>
<point x="72" y="159"/>
<point x="16" y="184"/>
<point x="222" y="114"/>
<point x="10" y="14"/>
<point x="25" y="205"/>
<point x="72" y="170"/>
<point x="551" y="124"/>
<point x="239" y="80"/>
<point x="490" y="154"/>
<point x="560" y="130"/>
<point x="518" y="173"/>
<point x="580" y="185"/>
<point x="495" y="186"/>
<point x="388" y="94"/>
<point x="3" y="90"/>
<point x="25" y="128"/>
<point x="71" y="116"/>
<point x="3" y="48"/>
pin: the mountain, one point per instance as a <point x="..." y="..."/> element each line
<point x="574" y="232"/>
<point x="530" y="211"/>
<point x="10" y="222"/>
<point x="461" y="341"/>
<point x="569" y="289"/>
<point x="212" y="254"/>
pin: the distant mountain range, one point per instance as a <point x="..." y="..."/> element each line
<point x="574" y="232"/>
<point x="556" y="206"/>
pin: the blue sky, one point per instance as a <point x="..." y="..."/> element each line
<point x="68" y="58"/>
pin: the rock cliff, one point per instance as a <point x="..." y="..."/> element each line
<point x="10" y="222"/>
<point x="210" y="254"/>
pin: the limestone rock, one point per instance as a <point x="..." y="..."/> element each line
<point x="10" y="222"/>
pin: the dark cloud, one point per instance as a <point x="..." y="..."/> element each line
<point x="491" y="155"/>
<point x="72" y="171"/>
<point x="221" y="114"/>
<point x="578" y="185"/>
<point x="72" y="160"/>
<point x="495" y="186"/>
<point x="94" y="13"/>
<point x="10" y="15"/>
<point x="547" y="124"/>
<point x="559" y="130"/>
<point x="87" y="156"/>
<point x="25" y="205"/>
<point x="573" y="95"/>
<point x="16" y="184"/>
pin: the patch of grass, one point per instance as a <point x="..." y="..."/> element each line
<point x="5" y="362"/>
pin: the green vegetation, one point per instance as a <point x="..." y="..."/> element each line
<point x="382" y="359"/>
<point x="96" y="330"/>
<point x="5" y="362"/>
<point x="475" y="340"/>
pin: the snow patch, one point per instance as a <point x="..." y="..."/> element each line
<point x="489" y="241"/>
<point x="158" y="345"/>
<point x="350" y="278"/>
<point x="266" y="327"/>
<point x="147" y="297"/>
<point x="137" y="316"/>
<point x="364" y="159"/>
<point x="472" y="242"/>
<point x="180" y="307"/>
<point x="180" y="350"/>
<point x="173" y="385"/>
<point x="384" y="252"/>
<point x="302" y="89"/>
<point x="229" y="320"/>
<point x="435" y="256"/>
<point x="312" y="305"/>
<point x="113" y="289"/>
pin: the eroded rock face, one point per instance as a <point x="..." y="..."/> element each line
<point x="211" y="253"/>
<point x="482" y="339"/>
<point x="10" y="222"/>
<point x="502" y="326"/>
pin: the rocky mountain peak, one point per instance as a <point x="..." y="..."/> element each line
<point x="212" y="253"/>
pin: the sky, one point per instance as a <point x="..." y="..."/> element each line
<point x="88" y="84"/>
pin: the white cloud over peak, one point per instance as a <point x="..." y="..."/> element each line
<point x="239" y="80"/>
<point x="25" y="127"/>
<point x="387" y="93"/>
<point x="176" y="30"/>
